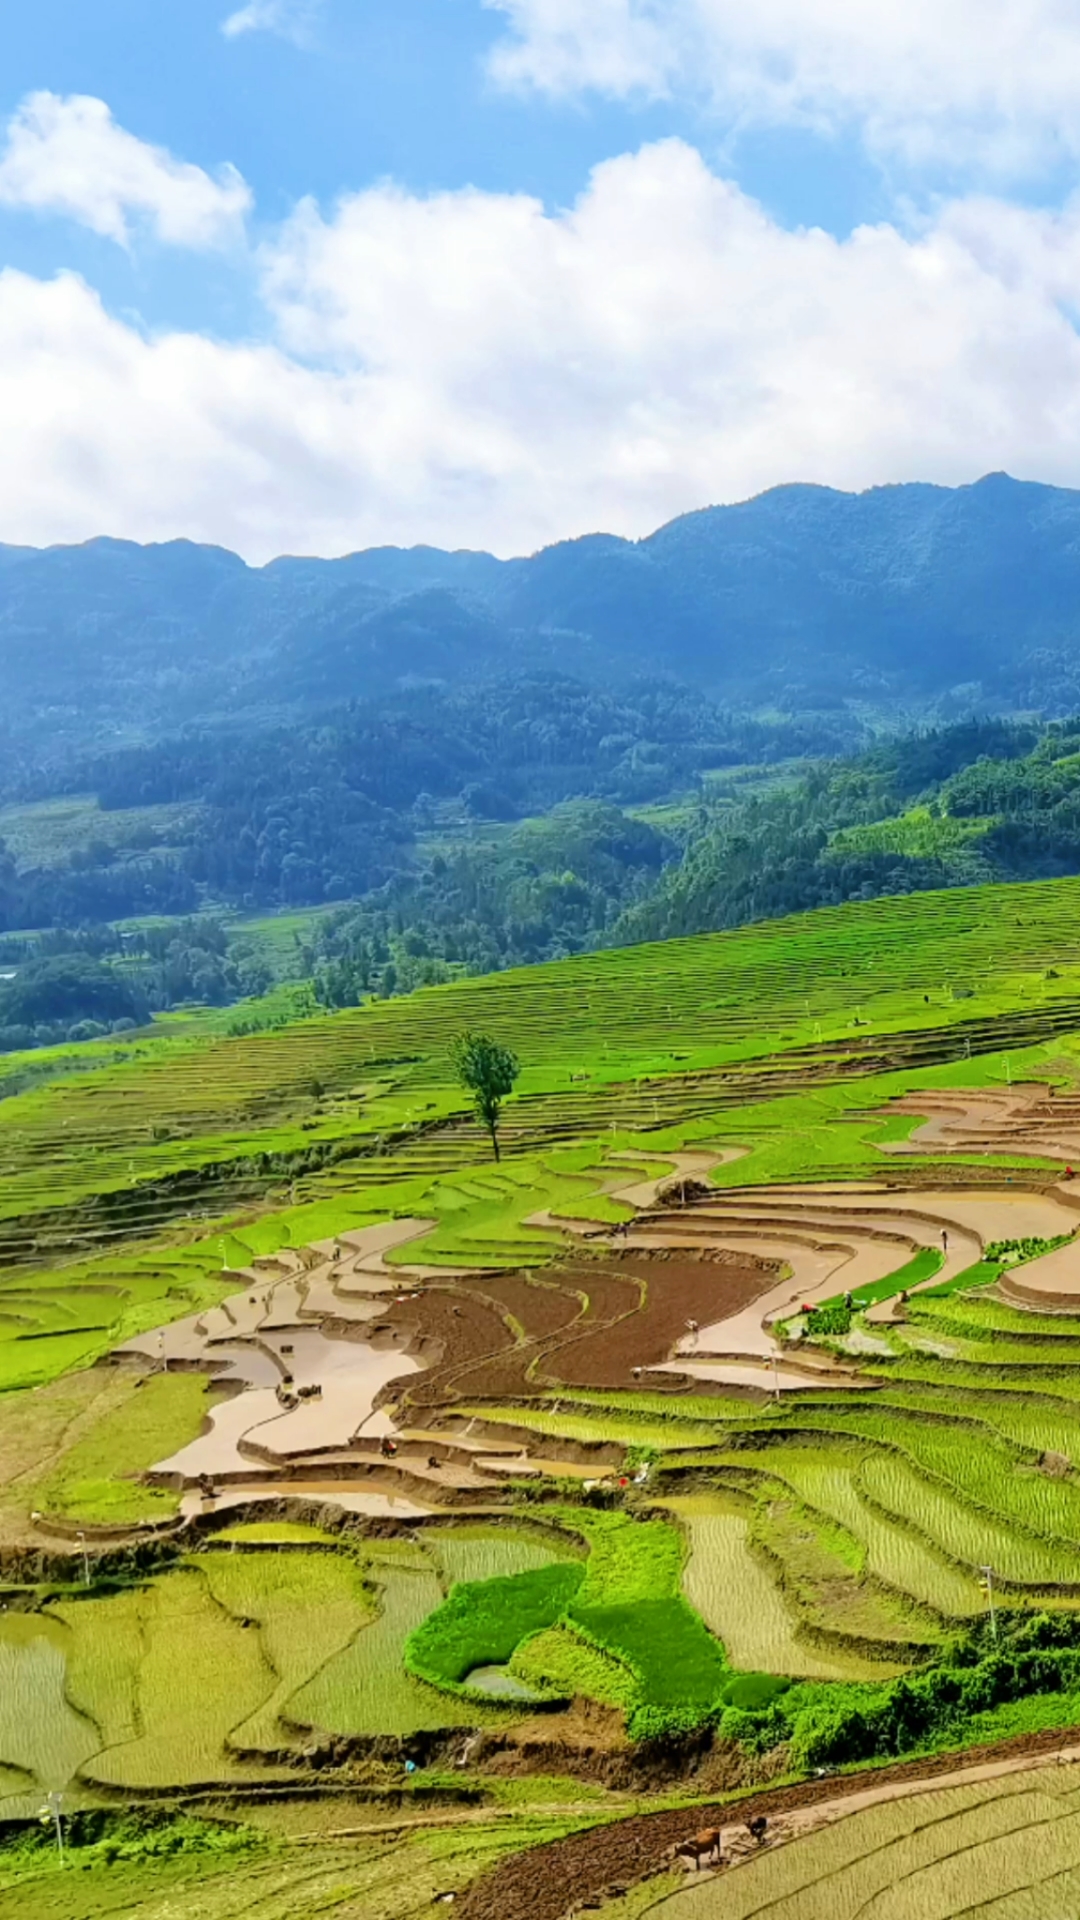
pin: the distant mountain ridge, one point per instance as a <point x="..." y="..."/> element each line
<point x="917" y="598"/>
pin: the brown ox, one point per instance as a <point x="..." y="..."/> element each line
<point x="703" y="1846"/>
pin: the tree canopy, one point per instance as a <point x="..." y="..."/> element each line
<point x="488" y="1071"/>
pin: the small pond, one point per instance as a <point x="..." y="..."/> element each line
<point x="499" y="1684"/>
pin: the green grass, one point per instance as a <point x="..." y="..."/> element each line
<point x="629" y="1560"/>
<point x="630" y="1607"/>
<point x="679" y="1667"/>
<point x="558" y="1662"/>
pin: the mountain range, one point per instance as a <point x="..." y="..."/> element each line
<point x="916" y="600"/>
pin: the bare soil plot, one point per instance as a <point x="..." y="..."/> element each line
<point x="672" y="1290"/>
<point x="446" y="1331"/>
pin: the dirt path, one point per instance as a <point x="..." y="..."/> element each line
<point x="553" y="1881"/>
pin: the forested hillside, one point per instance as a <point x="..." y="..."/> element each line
<point x="268" y="818"/>
<point x="455" y="881"/>
<point x="953" y="807"/>
<point x="908" y="601"/>
<point x="450" y="763"/>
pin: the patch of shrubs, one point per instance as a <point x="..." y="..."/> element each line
<point x="920" y="1711"/>
<point x="832" y="1321"/>
<point x="483" y="1622"/>
<point x="1014" y="1253"/>
<point x="95" y="1836"/>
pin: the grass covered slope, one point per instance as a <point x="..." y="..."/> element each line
<point x="621" y="1017"/>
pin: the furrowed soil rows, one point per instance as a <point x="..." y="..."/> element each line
<point x="672" y="1293"/>
<point x="449" y="1331"/>
<point x="551" y="1882"/>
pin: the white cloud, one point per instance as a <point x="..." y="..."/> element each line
<point x="993" y="82"/>
<point x="69" y="156"/>
<point x="292" y="19"/>
<point x="470" y="370"/>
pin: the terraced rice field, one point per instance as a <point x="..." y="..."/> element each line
<point x="215" y="1671"/>
<point x="243" y="1871"/>
<point x="308" y="1607"/>
<point x="370" y="1368"/>
<point x="364" y="1691"/>
<point x="43" y="1739"/>
<point x="666" y="1035"/>
<point x="200" y="1675"/>
<point x="1004" y="1849"/>
<point x="740" y="1602"/>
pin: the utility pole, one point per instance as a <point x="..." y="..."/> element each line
<point x="81" y="1538"/>
<point x="988" y="1582"/>
<point x="776" y="1377"/>
<point x="54" y="1810"/>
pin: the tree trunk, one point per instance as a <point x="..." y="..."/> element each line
<point x="494" y="1130"/>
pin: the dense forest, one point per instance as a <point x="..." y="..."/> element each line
<point x="298" y="816"/>
<point x="951" y="807"/>
<point x="84" y="983"/>
<point x="441" y="833"/>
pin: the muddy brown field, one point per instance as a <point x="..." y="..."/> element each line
<point x="674" y="1291"/>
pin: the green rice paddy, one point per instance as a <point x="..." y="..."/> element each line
<point x="836" y="1537"/>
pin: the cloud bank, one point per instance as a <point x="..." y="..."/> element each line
<point x="469" y="368"/>
<point x="990" y="83"/>
<point x="68" y="156"/>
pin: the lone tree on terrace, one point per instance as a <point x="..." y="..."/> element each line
<point x="487" y="1071"/>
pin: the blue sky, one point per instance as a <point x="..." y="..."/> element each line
<point x="367" y="89"/>
<point x="314" y="274"/>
